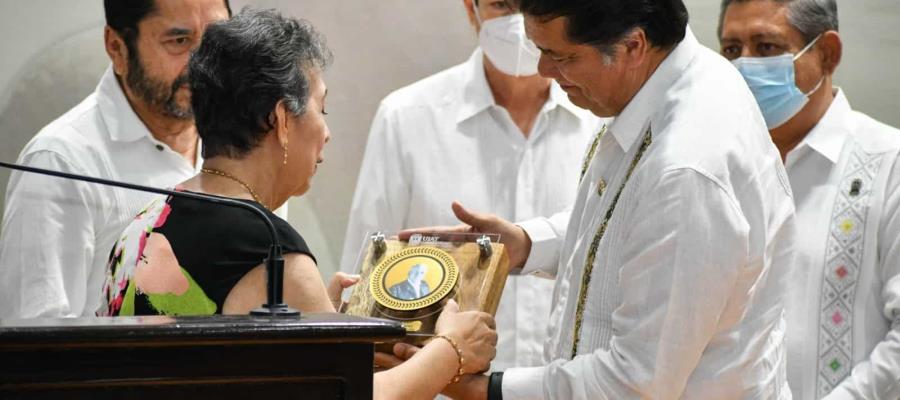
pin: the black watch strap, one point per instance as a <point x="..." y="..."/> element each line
<point x="495" y="386"/>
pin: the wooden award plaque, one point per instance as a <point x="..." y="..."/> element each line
<point x="411" y="281"/>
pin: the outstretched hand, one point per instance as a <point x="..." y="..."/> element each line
<point x="513" y="237"/>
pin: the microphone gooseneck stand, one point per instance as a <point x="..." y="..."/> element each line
<point x="274" y="262"/>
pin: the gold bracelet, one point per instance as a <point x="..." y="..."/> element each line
<point x="459" y="354"/>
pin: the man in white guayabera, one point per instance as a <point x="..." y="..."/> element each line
<point x="671" y="266"/>
<point x="843" y="305"/>
<point x="489" y="132"/>
<point x="136" y="127"/>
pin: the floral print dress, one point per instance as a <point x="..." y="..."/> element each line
<point x="182" y="257"/>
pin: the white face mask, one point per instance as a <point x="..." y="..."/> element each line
<point x="505" y="44"/>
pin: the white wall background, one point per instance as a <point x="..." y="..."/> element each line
<point x="53" y="56"/>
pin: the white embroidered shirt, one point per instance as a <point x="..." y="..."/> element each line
<point x="685" y="298"/>
<point x="844" y="298"/>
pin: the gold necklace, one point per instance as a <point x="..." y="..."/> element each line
<point x="232" y="177"/>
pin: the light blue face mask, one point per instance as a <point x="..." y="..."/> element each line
<point x="771" y="79"/>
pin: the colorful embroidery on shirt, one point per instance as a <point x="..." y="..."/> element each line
<point x="595" y="243"/>
<point x="591" y="150"/>
<point x="843" y="258"/>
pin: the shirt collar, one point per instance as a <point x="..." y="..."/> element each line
<point x="477" y="95"/>
<point x="828" y="136"/>
<point x="123" y="124"/>
<point x="631" y="122"/>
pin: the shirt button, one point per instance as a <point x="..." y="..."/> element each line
<point x="160" y="147"/>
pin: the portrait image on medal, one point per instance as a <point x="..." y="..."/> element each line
<point x="410" y="281"/>
<point x="414" y="285"/>
<point x="414" y="278"/>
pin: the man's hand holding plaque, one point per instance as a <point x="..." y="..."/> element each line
<point x="515" y="240"/>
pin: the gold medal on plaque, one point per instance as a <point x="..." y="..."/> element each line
<point x="411" y="281"/>
<point x="414" y="278"/>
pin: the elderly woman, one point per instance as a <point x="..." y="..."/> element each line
<point x="259" y="103"/>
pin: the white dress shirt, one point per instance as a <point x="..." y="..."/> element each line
<point x="443" y="139"/>
<point x="685" y="299"/>
<point x="57" y="233"/>
<point x="844" y="301"/>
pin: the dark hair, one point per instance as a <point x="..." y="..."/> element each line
<point x="123" y="16"/>
<point x="811" y="17"/>
<point x="602" y="23"/>
<point x="242" y="69"/>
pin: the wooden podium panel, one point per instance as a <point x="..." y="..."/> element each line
<point x="316" y="356"/>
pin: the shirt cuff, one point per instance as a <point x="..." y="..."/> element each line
<point x="543" y="259"/>
<point x="523" y="383"/>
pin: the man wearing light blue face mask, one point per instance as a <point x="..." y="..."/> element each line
<point x="490" y="133"/>
<point x="772" y="81"/>
<point x="843" y="306"/>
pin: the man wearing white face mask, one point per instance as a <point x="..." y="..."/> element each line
<point x="491" y="133"/>
<point x="843" y="307"/>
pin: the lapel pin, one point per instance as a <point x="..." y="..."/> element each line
<point x="855" y="187"/>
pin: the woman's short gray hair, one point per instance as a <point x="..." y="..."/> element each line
<point x="811" y="17"/>
<point x="243" y="68"/>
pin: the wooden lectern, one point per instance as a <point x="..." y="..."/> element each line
<point x="316" y="356"/>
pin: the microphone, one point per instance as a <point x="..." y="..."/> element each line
<point x="274" y="306"/>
